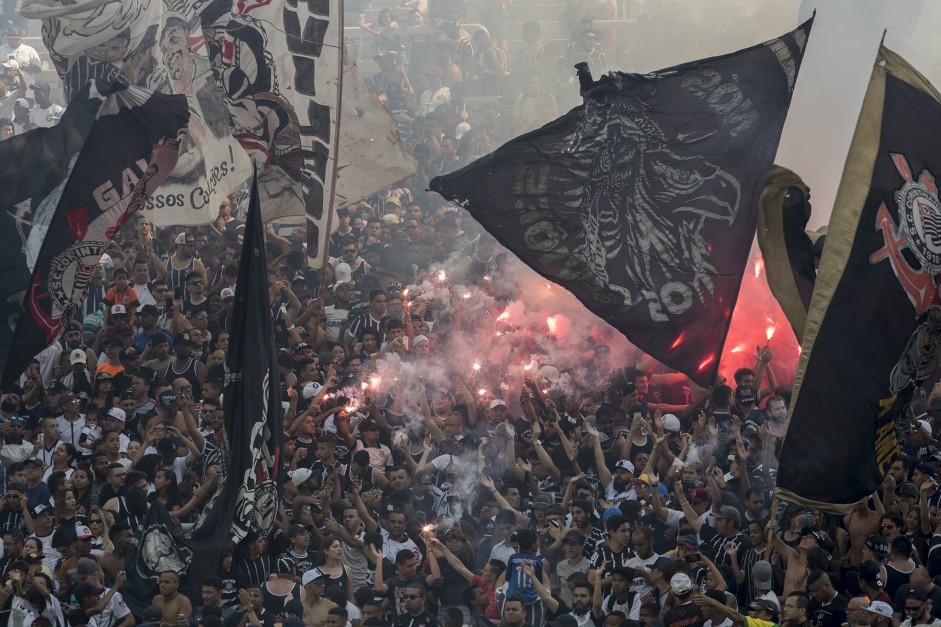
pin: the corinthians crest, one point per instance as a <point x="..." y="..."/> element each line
<point x="918" y="231"/>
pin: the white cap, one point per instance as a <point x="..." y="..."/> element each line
<point x="680" y="583"/>
<point x="419" y="339"/>
<point x="311" y="575"/>
<point x="497" y="403"/>
<point x="118" y="414"/>
<point x="881" y="608"/>
<point x="671" y="423"/>
<point x="118" y="309"/>
<point x="227" y="292"/>
<point x="106" y="261"/>
<point x="460" y="129"/>
<point x="180" y="238"/>
<point x="311" y="390"/>
<point x="343" y="273"/>
<point x="301" y="475"/>
<point x="77" y="356"/>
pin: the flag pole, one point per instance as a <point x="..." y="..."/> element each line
<point x="331" y="207"/>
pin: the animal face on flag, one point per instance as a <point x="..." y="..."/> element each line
<point x="142" y="43"/>
<point x="633" y="159"/>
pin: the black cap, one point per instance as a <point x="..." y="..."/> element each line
<point x="129" y="353"/>
<point x="149" y="310"/>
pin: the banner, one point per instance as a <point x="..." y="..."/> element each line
<point x="70" y="194"/>
<point x="874" y="323"/>
<point x="158" y="546"/>
<point x="160" y="47"/>
<point x="790" y="252"/>
<point x="642" y="200"/>
<point x="261" y="76"/>
<point x="278" y="65"/>
<point x="248" y="496"/>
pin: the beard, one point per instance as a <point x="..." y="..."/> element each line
<point x="581" y="608"/>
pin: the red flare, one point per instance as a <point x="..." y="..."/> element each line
<point x="738" y="349"/>
<point x="705" y="362"/>
<point x="677" y="341"/>
<point x="759" y="266"/>
<point x="503" y="316"/>
<point x="552" y="322"/>
<point x="769" y="333"/>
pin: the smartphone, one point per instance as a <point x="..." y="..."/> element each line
<point x="693" y="558"/>
<point x="178" y="293"/>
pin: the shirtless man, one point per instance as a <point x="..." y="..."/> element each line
<point x="173" y="604"/>
<point x="795" y="576"/>
<point x="861" y="523"/>
<point x="316" y="607"/>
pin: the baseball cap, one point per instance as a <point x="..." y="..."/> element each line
<point x="870" y="572"/>
<point x="881" y="608"/>
<point x="689" y="540"/>
<point x="148" y="310"/>
<point x="21" y="102"/>
<point x="312" y="575"/>
<point x="117" y="310"/>
<point x="227" y="293"/>
<point x="680" y="583"/>
<point x="295" y="530"/>
<point x="298" y="347"/>
<point x="39" y="85"/>
<point x="419" y="339"/>
<point x="624" y="464"/>
<point x="575" y="536"/>
<point x="129" y="353"/>
<point x="77" y="356"/>
<point x="541" y="502"/>
<point x="42" y="508"/>
<point x="908" y="489"/>
<point x="301" y="475"/>
<point x="152" y="613"/>
<point x="727" y="512"/>
<point x="168" y="398"/>
<point x="184" y="238"/>
<point x="764" y="604"/>
<point x="762" y="574"/>
<point x="664" y="564"/>
<point x="311" y="390"/>
<point x="671" y="423"/>
<point x="117" y="413"/>
<point x="343" y="273"/>
<point x="368" y="425"/>
<point x="612" y="511"/>
<point x="87" y="566"/>
<point x="878" y="545"/>
<point x="497" y="403"/>
<point x="698" y="495"/>
<point x="101" y="376"/>
<point x="81" y="532"/>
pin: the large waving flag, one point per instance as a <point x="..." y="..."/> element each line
<point x="66" y="191"/>
<point x="642" y="200"/>
<point x="248" y="495"/>
<point x="874" y="322"/>
<point x="262" y="79"/>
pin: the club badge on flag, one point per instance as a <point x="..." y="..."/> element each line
<point x="874" y="323"/>
<point x="104" y="173"/>
<point x="642" y="201"/>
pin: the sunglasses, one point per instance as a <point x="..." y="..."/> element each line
<point x="412" y="597"/>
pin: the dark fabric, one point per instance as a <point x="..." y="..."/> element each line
<point x="246" y="501"/>
<point x="127" y="148"/>
<point x="875" y="322"/>
<point x="642" y="201"/>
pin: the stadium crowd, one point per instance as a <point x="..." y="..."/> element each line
<point x="444" y="462"/>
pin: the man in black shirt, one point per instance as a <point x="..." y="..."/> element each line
<point x="829" y="606"/>
<point x="12" y="549"/>
<point x="684" y="613"/>
<point x="416" y="610"/>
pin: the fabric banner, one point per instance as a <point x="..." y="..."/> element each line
<point x="160" y="47"/>
<point x="67" y="196"/>
<point x="158" y="546"/>
<point x="874" y="322"/>
<point x="263" y="76"/>
<point x="790" y="252"/>
<point x="642" y="201"/>
<point x="247" y="499"/>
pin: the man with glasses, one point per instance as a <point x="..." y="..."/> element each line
<point x="878" y="613"/>
<point x="795" y="609"/>
<point x="117" y="475"/>
<point x="917" y="610"/>
<point x="349" y="254"/>
<point x="184" y="261"/>
<point x="414" y="601"/>
<point x="856" y="608"/>
<point x="195" y="299"/>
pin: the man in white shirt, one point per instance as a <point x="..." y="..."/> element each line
<point x="26" y="56"/>
<point x="45" y="113"/>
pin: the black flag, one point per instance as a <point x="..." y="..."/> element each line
<point x="158" y="546"/>
<point x="248" y="496"/>
<point x="66" y="191"/>
<point x="790" y="252"/>
<point x="642" y="200"/>
<point x="874" y="324"/>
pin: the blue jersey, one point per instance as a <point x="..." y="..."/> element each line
<point x="518" y="582"/>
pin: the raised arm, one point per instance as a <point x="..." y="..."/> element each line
<point x="604" y="475"/>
